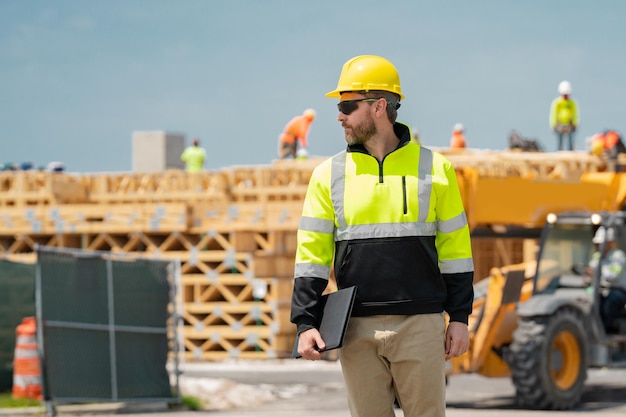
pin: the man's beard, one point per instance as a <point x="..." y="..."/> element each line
<point x="361" y="133"/>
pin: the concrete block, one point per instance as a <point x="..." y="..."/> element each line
<point x="155" y="151"/>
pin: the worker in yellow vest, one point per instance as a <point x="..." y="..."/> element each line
<point x="564" y="116"/>
<point x="387" y="214"/>
<point x="193" y="156"/>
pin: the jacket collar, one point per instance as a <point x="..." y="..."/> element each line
<point x="402" y="131"/>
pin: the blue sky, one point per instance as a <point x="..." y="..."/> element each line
<point x="77" y="77"/>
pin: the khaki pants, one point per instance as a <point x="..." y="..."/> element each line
<point x="384" y="357"/>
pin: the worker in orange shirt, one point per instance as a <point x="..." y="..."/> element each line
<point x="294" y="136"/>
<point x="457" y="141"/>
<point x="608" y="143"/>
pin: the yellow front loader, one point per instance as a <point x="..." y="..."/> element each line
<point x="493" y="320"/>
<point x="529" y="322"/>
<point x="539" y="322"/>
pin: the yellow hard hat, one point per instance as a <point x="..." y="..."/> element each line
<point x="366" y="73"/>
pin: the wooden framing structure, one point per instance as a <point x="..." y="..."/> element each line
<point x="234" y="232"/>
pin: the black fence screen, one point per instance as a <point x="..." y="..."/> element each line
<point x="107" y="326"/>
<point x="17" y="300"/>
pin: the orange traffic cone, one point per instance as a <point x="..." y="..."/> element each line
<point x="26" y="367"/>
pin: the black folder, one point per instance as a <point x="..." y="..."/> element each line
<point x="333" y="322"/>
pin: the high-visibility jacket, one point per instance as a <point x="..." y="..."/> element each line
<point x="613" y="268"/>
<point x="297" y="129"/>
<point x="563" y="112"/>
<point x="193" y="157"/>
<point x="396" y="229"/>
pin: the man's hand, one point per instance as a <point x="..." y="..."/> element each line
<point x="457" y="339"/>
<point x="309" y="345"/>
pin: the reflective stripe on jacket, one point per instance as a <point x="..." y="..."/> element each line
<point x="395" y="229"/>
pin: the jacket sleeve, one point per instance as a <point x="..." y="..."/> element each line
<point x="460" y="289"/>
<point x="553" y="110"/>
<point x="305" y="302"/>
<point x="576" y="113"/>
<point x="315" y="250"/>
<point x="454" y="247"/>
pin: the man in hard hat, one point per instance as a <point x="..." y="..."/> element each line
<point x="564" y="116"/>
<point x="457" y="141"/>
<point x="295" y="135"/>
<point x="387" y="214"/>
<point x="194" y="156"/>
<point x="612" y="263"/>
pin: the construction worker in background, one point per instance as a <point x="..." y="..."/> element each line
<point x="564" y="116"/>
<point x="457" y="141"/>
<point x="295" y="134"/>
<point x="410" y="261"/>
<point x="193" y="156"/>
<point x="610" y="144"/>
<point x="612" y="263"/>
<point x="415" y="135"/>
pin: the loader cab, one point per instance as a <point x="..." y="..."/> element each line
<point x="562" y="274"/>
<point x="559" y="333"/>
<point x="565" y="248"/>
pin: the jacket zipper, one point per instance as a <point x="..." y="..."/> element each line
<point x="404" y="202"/>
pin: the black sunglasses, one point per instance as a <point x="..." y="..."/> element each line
<point x="348" y="106"/>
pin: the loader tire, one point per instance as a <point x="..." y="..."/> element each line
<point x="548" y="361"/>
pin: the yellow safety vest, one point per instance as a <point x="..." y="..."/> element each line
<point x="194" y="157"/>
<point x="563" y="112"/>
